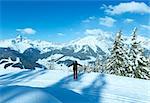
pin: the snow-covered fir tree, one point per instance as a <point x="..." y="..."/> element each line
<point x="137" y="63"/>
<point x="149" y="62"/>
<point x="88" y="68"/>
<point x="98" y="65"/>
<point x="117" y="61"/>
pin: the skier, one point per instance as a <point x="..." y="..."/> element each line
<point x="75" y="69"/>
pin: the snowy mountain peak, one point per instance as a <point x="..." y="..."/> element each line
<point x="92" y="41"/>
<point x="19" y="38"/>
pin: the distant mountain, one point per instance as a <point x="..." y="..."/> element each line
<point x="33" y="53"/>
<point x="26" y="60"/>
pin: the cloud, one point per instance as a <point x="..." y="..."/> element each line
<point x="26" y="31"/>
<point x="131" y="7"/>
<point x="128" y="21"/>
<point x="93" y="31"/>
<point x="146" y="27"/>
<point x="86" y="21"/>
<point x="107" y="21"/>
<point x="98" y="32"/>
<point x="92" y="17"/>
<point x="89" y="19"/>
<point x="60" y="34"/>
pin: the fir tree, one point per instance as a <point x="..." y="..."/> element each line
<point x="88" y="68"/>
<point x="137" y="62"/>
<point x="117" y="61"/>
<point x="149" y="62"/>
<point x="98" y="65"/>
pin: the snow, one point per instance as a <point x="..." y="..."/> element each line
<point x="24" y="43"/>
<point x="104" y="41"/>
<point x="9" y="61"/>
<point x="83" y="62"/>
<point x="18" y="46"/>
<point x="6" y="43"/>
<point x="145" y="41"/>
<point x="25" y="94"/>
<point x="58" y="86"/>
<point x="93" y="42"/>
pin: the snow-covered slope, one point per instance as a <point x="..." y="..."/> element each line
<point x="26" y="94"/>
<point x="58" y="86"/>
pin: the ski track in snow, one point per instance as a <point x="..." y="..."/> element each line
<point x="57" y="86"/>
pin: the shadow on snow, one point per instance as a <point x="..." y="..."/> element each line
<point x="90" y="94"/>
<point x="25" y="76"/>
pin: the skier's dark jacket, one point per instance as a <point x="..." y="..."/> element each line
<point x="74" y="65"/>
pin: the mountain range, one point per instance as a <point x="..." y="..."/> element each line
<point x="25" y="53"/>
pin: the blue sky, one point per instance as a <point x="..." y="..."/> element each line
<point x="65" y="20"/>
